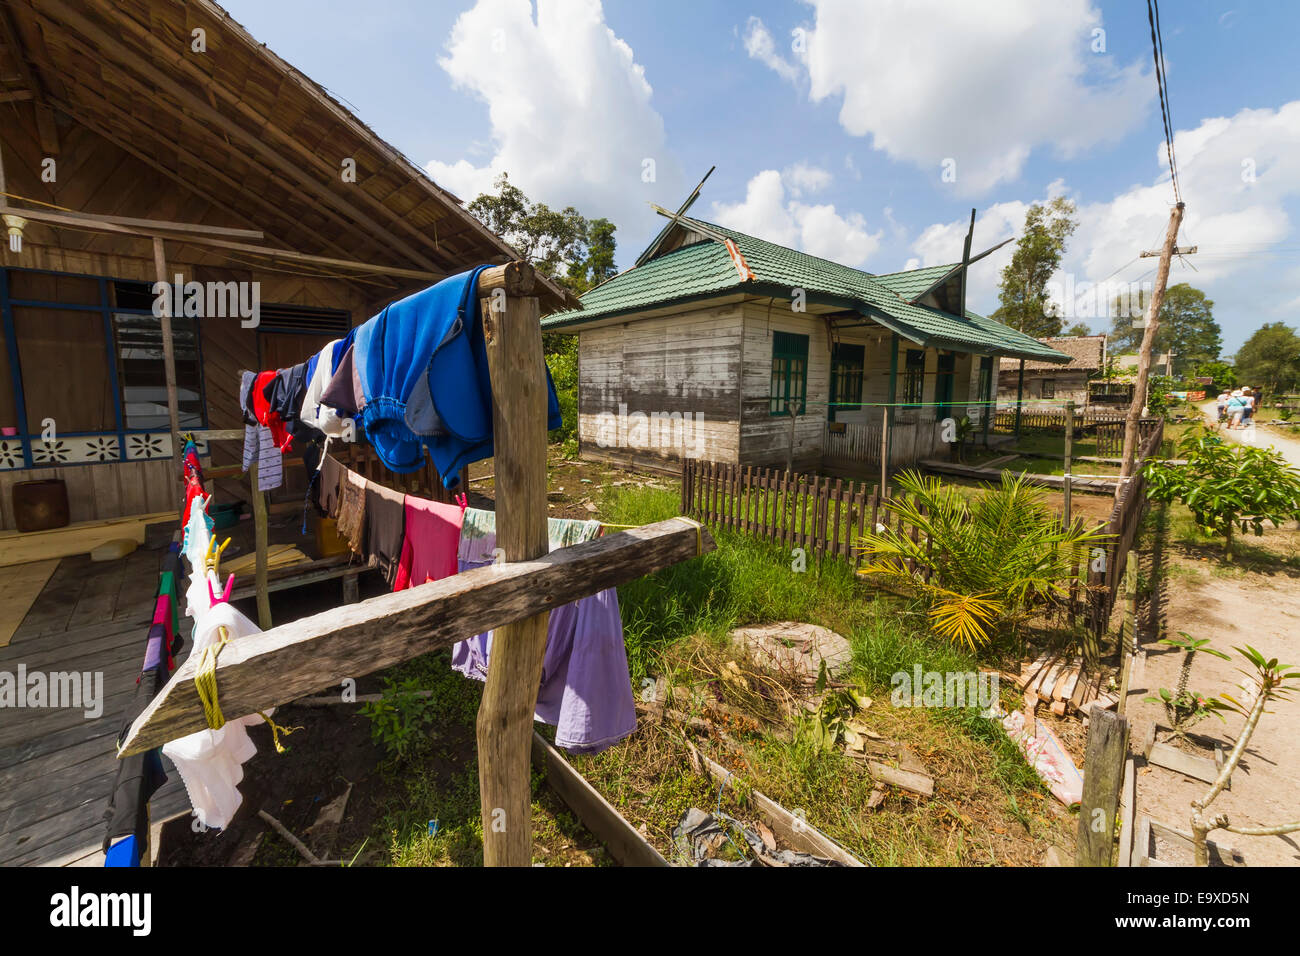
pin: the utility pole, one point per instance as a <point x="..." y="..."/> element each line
<point x="1144" y="356"/>
<point x="1069" y="462"/>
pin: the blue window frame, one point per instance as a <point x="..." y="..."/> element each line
<point x="120" y="316"/>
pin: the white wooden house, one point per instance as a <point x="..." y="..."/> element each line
<point x="726" y="347"/>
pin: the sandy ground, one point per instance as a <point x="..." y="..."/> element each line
<point x="1265" y="613"/>
<point x="1260" y="607"/>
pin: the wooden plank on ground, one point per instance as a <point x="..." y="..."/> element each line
<point x="907" y="779"/>
<point x="795" y="832"/>
<point x="20" y="586"/>
<point x="1171" y="758"/>
<point x="624" y="843"/>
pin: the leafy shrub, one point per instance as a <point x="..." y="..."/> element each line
<point x="399" y="718"/>
<point x="1227" y="488"/>
<point x="979" y="565"/>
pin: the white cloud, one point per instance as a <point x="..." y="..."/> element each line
<point x="1233" y="219"/>
<point x="570" y="109"/>
<point x="818" y="230"/>
<point x="942" y="243"/>
<point x="983" y="85"/>
<point x="760" y="46"/>
<point x="802" y="178"/>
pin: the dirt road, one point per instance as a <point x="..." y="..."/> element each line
<point x="1256" y="602"/>
<point x="1261" y="435"/>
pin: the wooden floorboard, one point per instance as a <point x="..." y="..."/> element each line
<point x="56" y="765"/>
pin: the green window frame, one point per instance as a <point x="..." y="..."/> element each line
<point x="914" y="377"/>
<point x="985" y="387"/>
<point x="789" y="382"/>
<point x="944" y="382"/>
<point x="847" y="364"/>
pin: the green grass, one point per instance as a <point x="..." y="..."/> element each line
<point x="742" y="582"/>
<point x="694" y="605"/>
<point x="681" y="614"/>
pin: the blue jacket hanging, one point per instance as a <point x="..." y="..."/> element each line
<point x="423" y="368"/>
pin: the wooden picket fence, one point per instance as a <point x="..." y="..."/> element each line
<point x="1123" y="524"/>
<point x="1110" y="435"/>
<point x="1053" y="419"/>
<point x="822" y="515"/>
<point x="828" y="516"/>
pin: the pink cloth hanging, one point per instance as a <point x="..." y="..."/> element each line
<point x="430" y="542"/>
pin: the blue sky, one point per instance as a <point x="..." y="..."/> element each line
<point x="831" y="122"/>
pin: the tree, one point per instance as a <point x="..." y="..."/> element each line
<point x="1022" y="302"/>
<point x="1227" y="488"/>
<point x="598" y="265"/>
<point x="1079" y="328"/>
<point x="561" y="244"/>
<point x="1223" y="374"/>
<point x="1187" y="326"/>
<point x="1271" y="358"/>
<point x="1270" y="679"/>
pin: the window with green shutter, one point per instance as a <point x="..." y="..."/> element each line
<point x="789" y="387"/>
<point x="914" y="377"/>
<point x="847" y="362"/>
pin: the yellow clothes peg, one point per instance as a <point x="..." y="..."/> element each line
<point x="212" y="560"/>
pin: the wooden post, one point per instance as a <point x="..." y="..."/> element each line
<point x="990" y="402"/>
<point x="1069" y="449"/>
<point x="1020" y="395"/>
<point x="1144" y="355"/>
<point x="893" y="376"/>
<point x="169" y="348"/>
<point x="884" y="446"/>
<point x="1103" y="771"/>
<point x="511" y="327"/>
<point x="259" y="532"/>
<point x="789" y="455"/>
<point x="1128" y="628"/>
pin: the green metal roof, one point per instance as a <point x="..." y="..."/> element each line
<point x="704" y="269"/>
<point x="914" y="283"/>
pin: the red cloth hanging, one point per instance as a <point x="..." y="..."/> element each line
<point x="265" y="416"/>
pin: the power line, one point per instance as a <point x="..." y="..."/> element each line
<point x="1162" y="86"/>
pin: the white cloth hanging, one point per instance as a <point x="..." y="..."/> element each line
<point x="313" y="413"/>
<point x="210" y="762"/>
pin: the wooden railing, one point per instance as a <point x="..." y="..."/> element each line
<point x="913" y="435"/>
<point x="424" y="483"/>
<point x="1110" y="435"/>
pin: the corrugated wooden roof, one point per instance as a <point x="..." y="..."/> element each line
<point x="704" y="268"/>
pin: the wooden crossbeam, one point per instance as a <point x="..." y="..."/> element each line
<point x="315" y="653"/>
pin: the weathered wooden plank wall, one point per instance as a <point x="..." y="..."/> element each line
<point x="687" y="363"/>
<point x="102" y="491"/>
